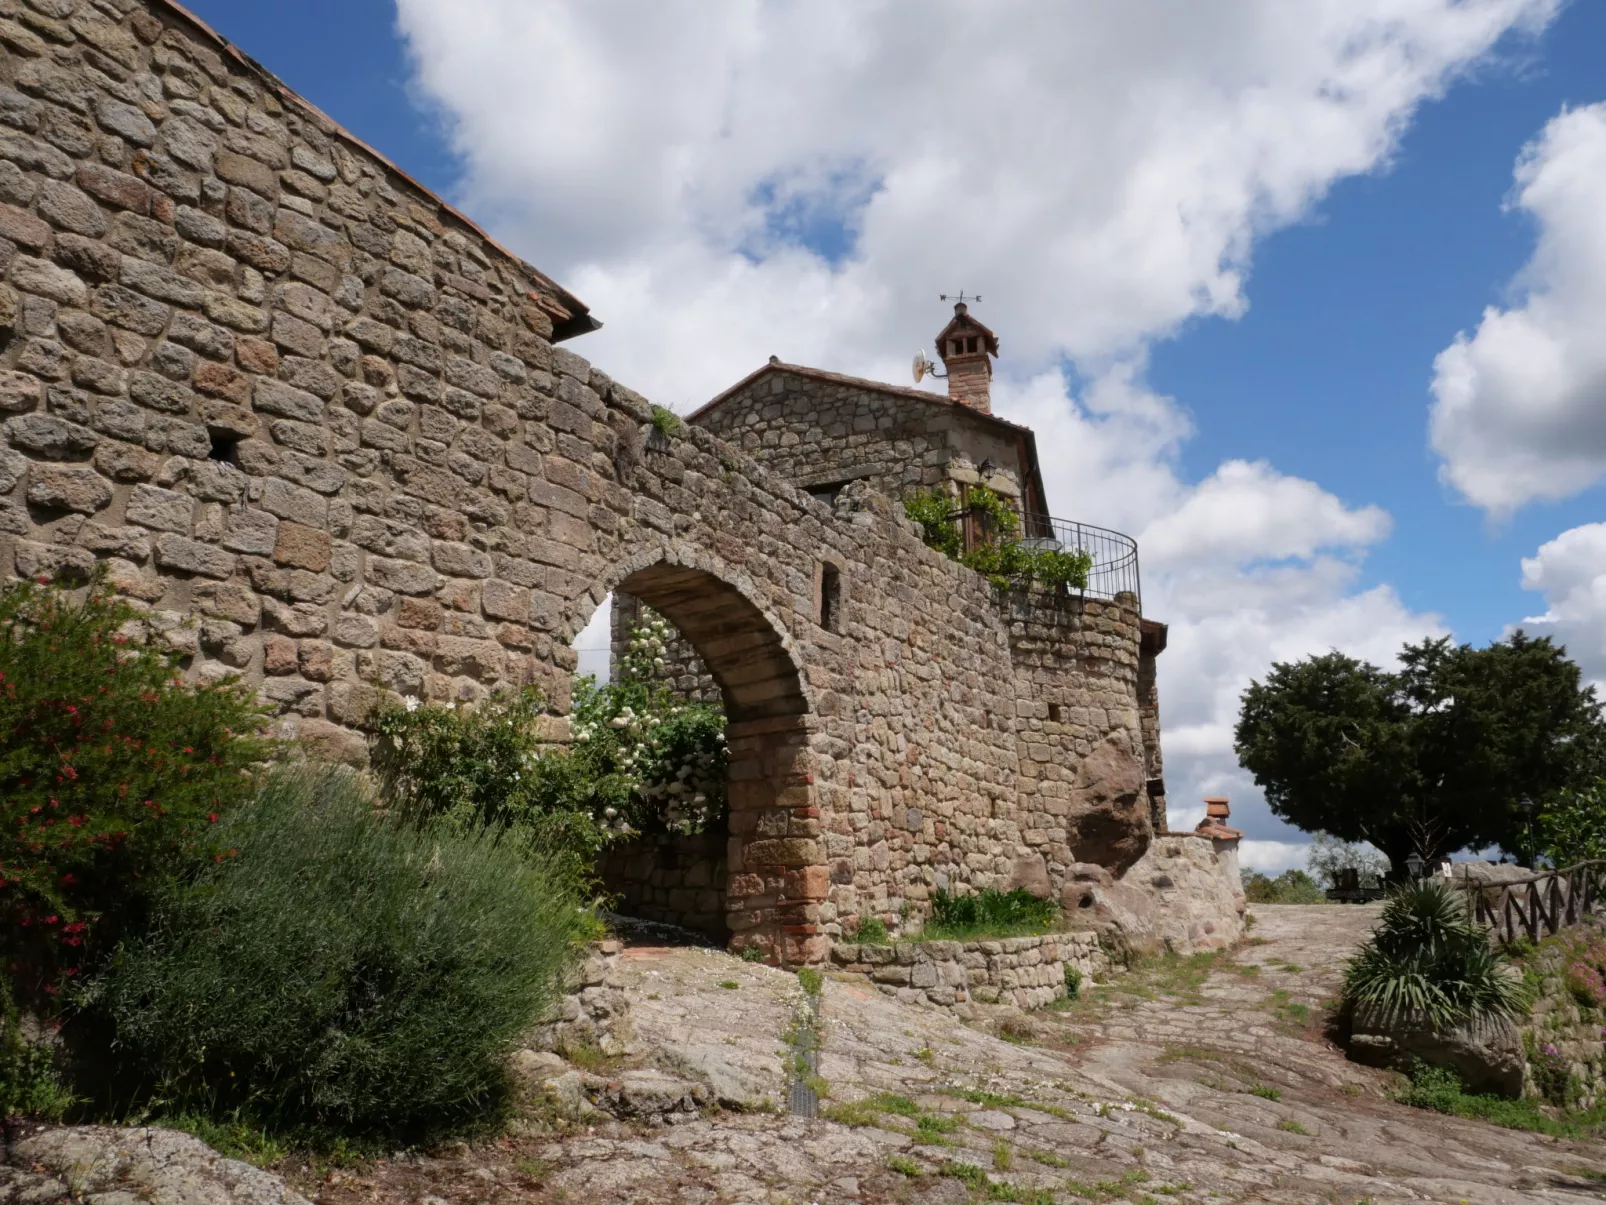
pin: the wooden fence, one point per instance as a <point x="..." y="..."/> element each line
<point x="1541" y="904"/>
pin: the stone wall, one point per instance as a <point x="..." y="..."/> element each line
<point x="1077" y="731"/>
<point x="1153" y="643"/>
<point x="683" y="670"/>
<point x="594" y="1009"/>
<point x="818" y="429"/>
<point x="317" y="425"/>
<point x="677" y="879"/>
<point x="1027" y="972"/>
<point x="1564" y="1035"/>
<point x="1183" y="896"/>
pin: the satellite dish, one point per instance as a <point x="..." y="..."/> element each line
<point x="921" y="366"/>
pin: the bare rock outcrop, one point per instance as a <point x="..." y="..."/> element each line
<point x="104" y="1165"/>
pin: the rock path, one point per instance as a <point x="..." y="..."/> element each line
<point x="1204" y="1080"/>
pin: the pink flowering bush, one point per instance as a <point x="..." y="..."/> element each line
<point x="112" y="773"/>
<point x="1586" y="973"/>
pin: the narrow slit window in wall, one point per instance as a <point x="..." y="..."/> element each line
<point x="830" y="598"/>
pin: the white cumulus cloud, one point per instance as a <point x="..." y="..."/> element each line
<point x="726" y="179"/>
<point x="1570" y="571"/>
<point x="1520" y="404"/>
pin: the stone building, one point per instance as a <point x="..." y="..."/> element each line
<point x="326" y="434"/>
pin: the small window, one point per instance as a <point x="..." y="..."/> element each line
<point x="970" y="344"/>
<point x="826" y="492"/>
<point x="959" y="347"/>
<point x="1055" y="713"/>
<point x="830" y="598"/>
<point x="225" y="448"/>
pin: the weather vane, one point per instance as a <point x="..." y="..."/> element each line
<point x="959" y="297"/>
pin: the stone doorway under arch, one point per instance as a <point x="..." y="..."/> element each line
<point x="761" y="884"/>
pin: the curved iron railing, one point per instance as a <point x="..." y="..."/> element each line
<point x="1115" y="555"/>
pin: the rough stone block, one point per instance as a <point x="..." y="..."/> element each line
<point x="162" y="510"/>
<point x="65" y="487"/>
<point x="192" y="556"/>
<point x="302" y="547"/>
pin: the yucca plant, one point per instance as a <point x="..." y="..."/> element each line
<point x="1430" y="963"/>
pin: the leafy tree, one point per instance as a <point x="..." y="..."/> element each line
<point x="1290" y="887"/>
<point x="1572" y="827"/>
<point x="1432" y="758"/>
<point x="1328" y="855"/>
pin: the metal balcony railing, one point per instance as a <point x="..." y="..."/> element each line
<point x="1115" y="555"/>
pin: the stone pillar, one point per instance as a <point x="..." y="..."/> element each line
<point x="778" y="877"/>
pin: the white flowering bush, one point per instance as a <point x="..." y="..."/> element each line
<point x="670" y="753"/>
<point x="641" y="759"/>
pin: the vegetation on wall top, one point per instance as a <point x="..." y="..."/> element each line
<point x="1000" y="556"/>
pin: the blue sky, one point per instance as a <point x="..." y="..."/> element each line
<point x="1328" y="373"/>
<point x="1223" y="250"/>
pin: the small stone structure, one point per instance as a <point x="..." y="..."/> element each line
<point x="678" y="879"/>
<point x="1027" y="972"/>
<point x="323" y="431"/>
<point x="594" y="1010"/>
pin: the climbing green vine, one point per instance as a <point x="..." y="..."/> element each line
<point x="999" y="557"/>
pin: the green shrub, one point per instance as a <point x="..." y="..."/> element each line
<point x="1073" y="982"/>
<point x="999" y="555"/>
<point x="988" y="913"/>
<point x="29" y="1083"/>
<point x="1290" y="887"/>
<point x="112" y="773"/>
<point x="872" y="931"/>
<point x="641" y="759"/>
<point x="1429" y="962"/>
<point x="1440" y="1089"/>
<point x="346" y="974"/>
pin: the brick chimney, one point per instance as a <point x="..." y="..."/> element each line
<point x="967" y="348"/>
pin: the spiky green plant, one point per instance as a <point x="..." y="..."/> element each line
<point x="1430" y="963"/>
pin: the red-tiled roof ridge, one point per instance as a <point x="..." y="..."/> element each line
<point x="574" y="317"/>
<point x="837" y="378"/>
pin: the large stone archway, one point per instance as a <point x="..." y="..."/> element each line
<point x="776" y="879"/>
<point x="324" y="433"/>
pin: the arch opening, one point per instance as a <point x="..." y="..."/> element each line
<point x="757" y="880"/>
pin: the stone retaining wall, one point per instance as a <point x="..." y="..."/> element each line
<point x="679" y="880"/>
<point x="594" y="1009"/>
<point x="1565" y="1038"/>
<point x="1183" y="896"/>
<point x="1027" y="972"/>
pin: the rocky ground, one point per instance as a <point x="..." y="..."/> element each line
<point x="1202" y="1080"/>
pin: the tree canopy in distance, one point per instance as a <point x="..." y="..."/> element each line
<point x="1432" y="758"/>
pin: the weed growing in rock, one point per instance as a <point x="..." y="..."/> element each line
<point x="1265" y="1092"/>
<point x="903" y="1165"/>
<point x="872" y="931"/>
<point x="1289" y="1126"/>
